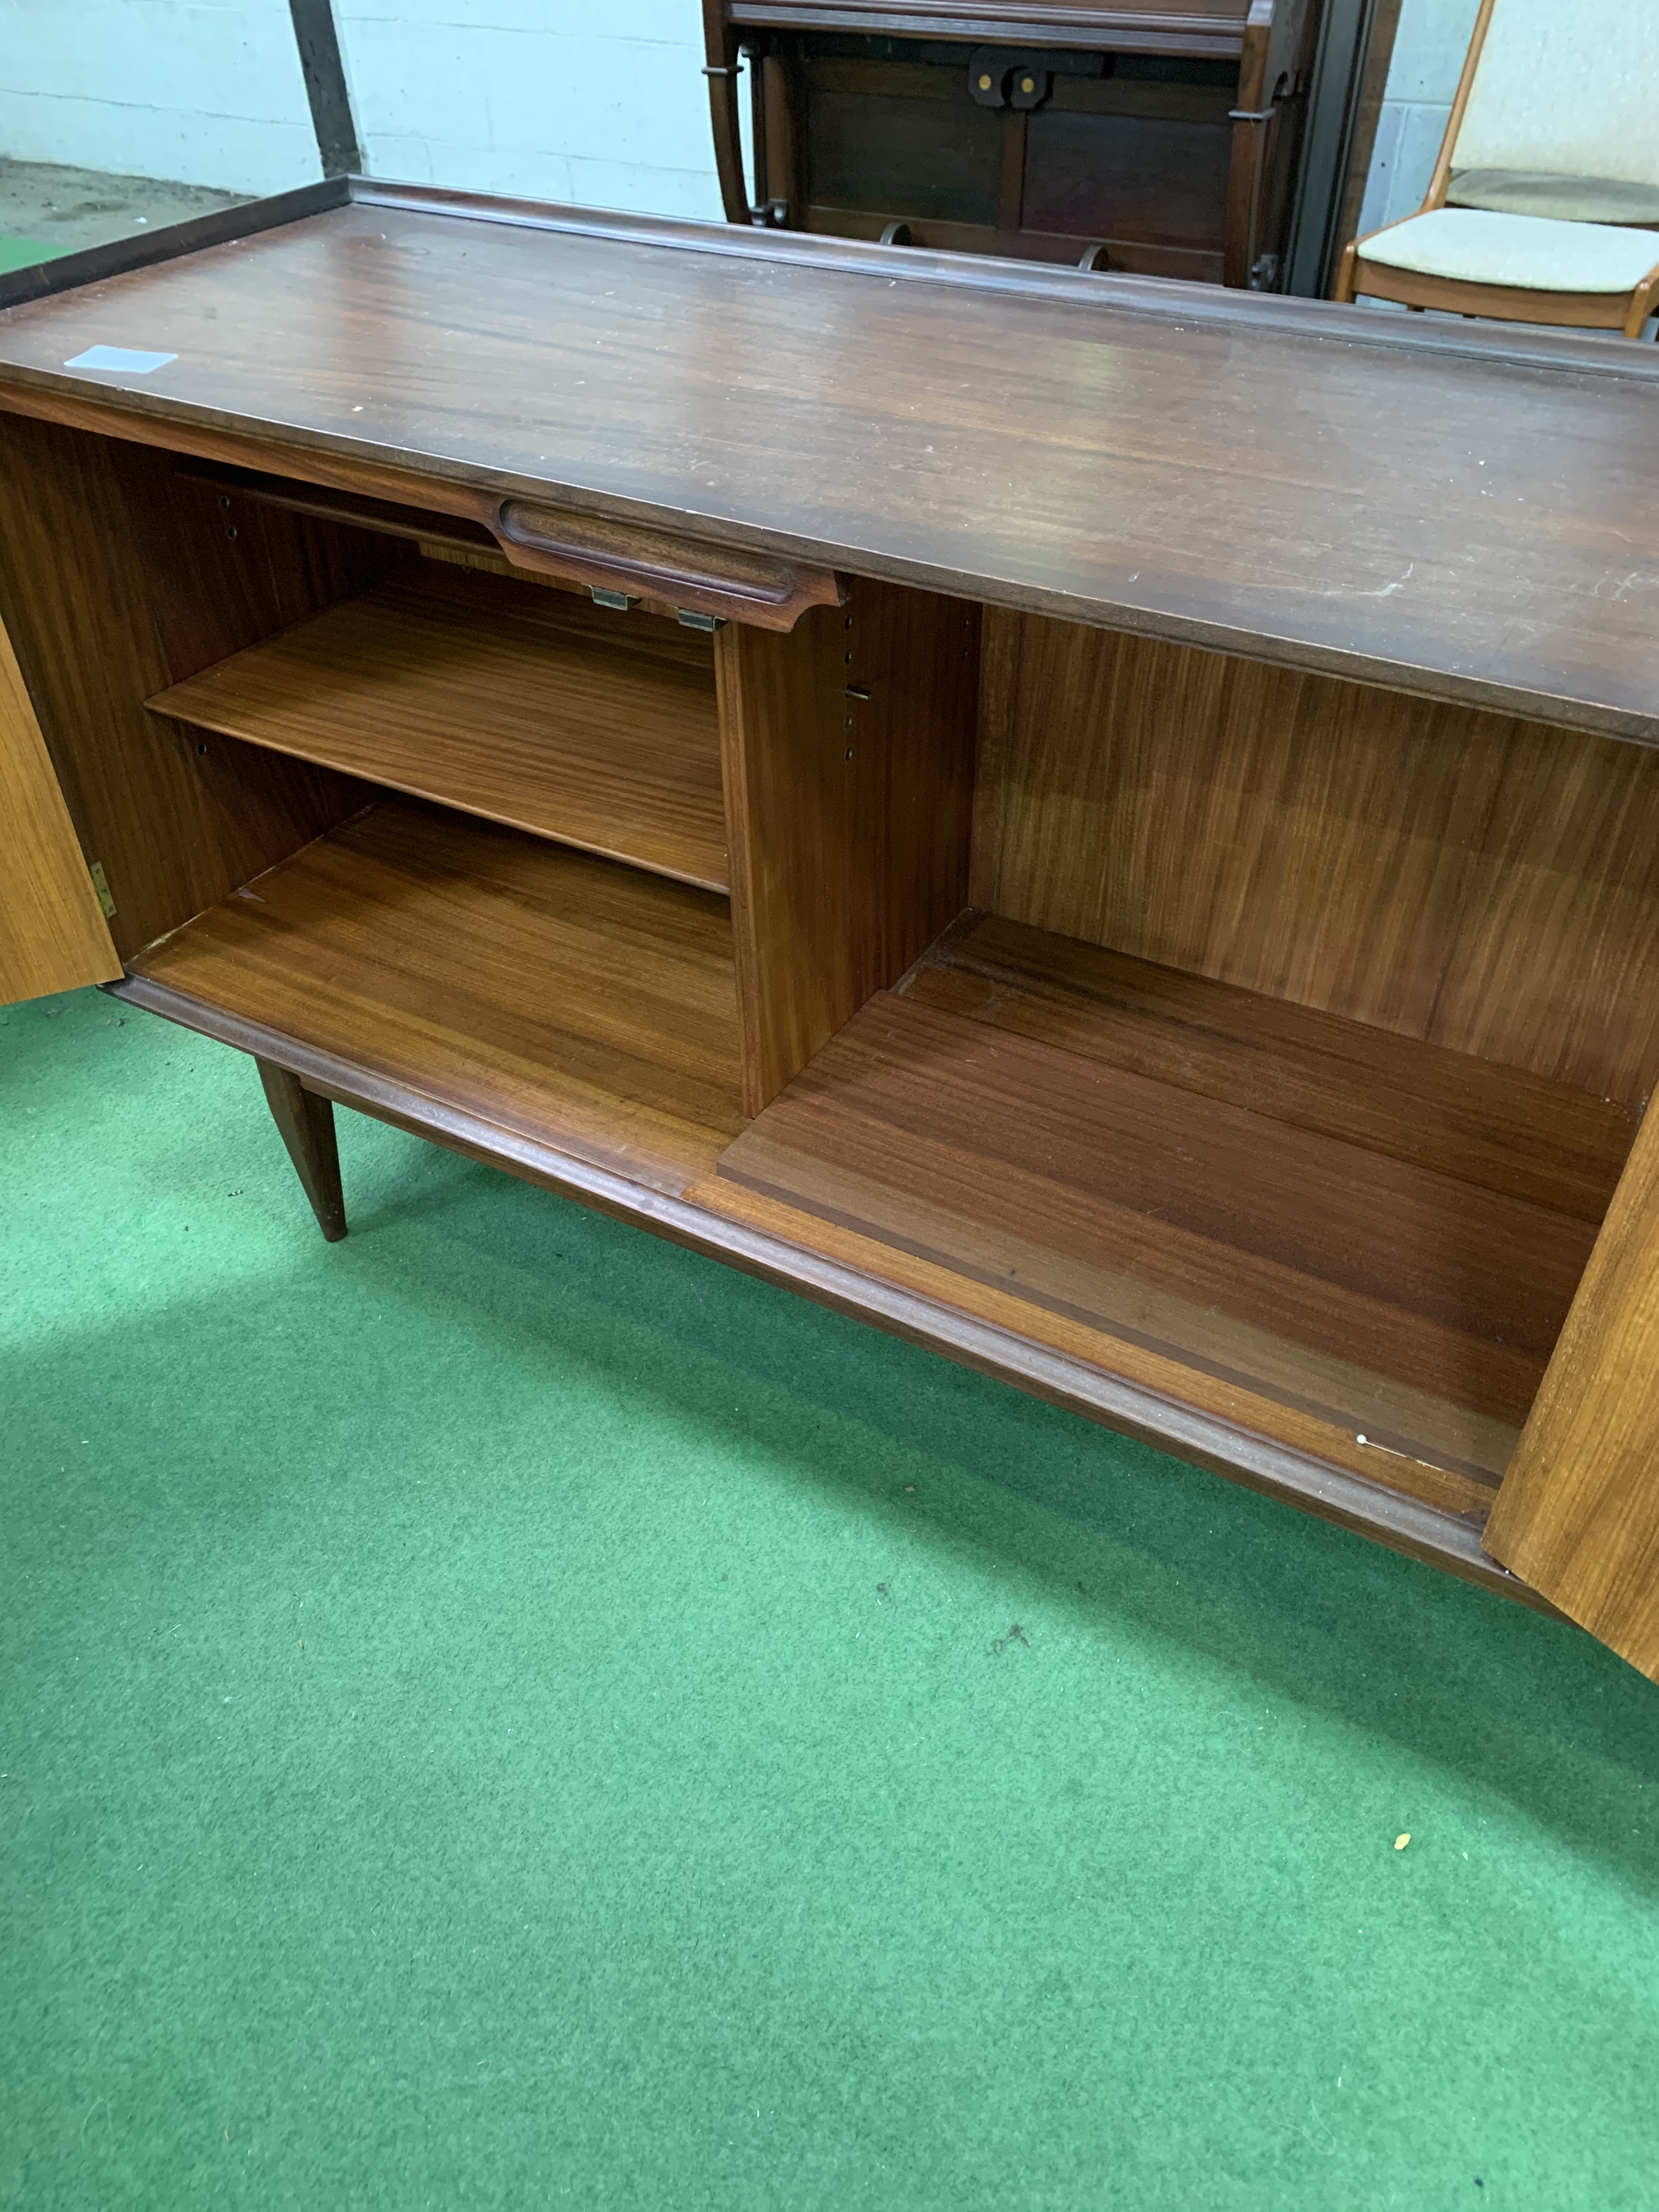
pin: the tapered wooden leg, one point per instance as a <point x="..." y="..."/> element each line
<point x="307" y="1123"/>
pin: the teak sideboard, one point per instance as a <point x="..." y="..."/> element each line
<point x="1109" y="828"/>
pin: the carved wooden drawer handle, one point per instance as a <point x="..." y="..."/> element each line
<point x="646" y="563"/>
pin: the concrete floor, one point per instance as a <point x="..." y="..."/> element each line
<point x="62" y="210"/>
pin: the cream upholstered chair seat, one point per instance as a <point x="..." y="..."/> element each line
<point x="1474" y="246"/>
<point x="1565" y="199"/>
<point x="1546" y="179"/>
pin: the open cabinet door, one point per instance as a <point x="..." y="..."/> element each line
<point x="1578" y="1513"/>
<point x="52" y="936"/>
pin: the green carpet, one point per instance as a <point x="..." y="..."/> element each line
<point x="23" y="253"/>
<point x="505" y="1713"/>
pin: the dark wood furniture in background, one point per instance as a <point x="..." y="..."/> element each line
<point x="1160" y="139"/>
<point x="1108" y="827"/>
<point x="1373" y="56"/>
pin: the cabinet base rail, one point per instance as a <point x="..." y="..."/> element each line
<point x="1447" y="1541"/>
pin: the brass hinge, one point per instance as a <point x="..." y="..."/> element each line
<point x="101" y="885"/>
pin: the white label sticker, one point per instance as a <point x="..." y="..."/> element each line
<point x="122" y="357"/>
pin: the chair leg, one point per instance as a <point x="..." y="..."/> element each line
<point x="1642" y="301"/>
<point x="306" y="1125"/>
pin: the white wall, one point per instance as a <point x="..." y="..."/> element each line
<point x="1428" y="58"/>
<point x="597" y="101"/>
<point x="600" y="103"/>
<point x="207" y="92"/>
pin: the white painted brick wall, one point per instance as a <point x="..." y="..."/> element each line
<point x="208" y="92"/>
<point x="1428" y="58"/>
<point x="597" y="101"/>
<point x="602" y="104"/>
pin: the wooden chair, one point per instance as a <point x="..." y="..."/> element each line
<point x="1544" y="204"/>
<point x="1160" y="139"/>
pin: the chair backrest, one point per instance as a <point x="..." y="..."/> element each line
<point x="1570" y="87"/>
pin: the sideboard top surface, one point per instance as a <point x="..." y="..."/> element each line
<point x="1270" y="477"/>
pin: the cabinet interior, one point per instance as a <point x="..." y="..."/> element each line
<point x="1228" y="1028"/>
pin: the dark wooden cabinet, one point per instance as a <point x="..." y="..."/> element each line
<point x="1107" y="827"/>
<point x="1158" y="139"/>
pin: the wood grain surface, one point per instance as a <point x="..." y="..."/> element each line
<point x="585" y="1004"/>
<point x="1416" y="1308"/>
<point x="101" y="622"/>
<point x="1489" y="884"/>
<point x="399" y="519"/>
<point x="1147" y="171"/>
<point x="53" y="933"/>
<point x="305" y="1124"/>
<point x="848" y="752"/>
<point x="1165" y="1377"/>
<point x="1285" y="483"/>
<point x="1501" y="1128"/>
<point x="1578" y="1513"/>
<point x="633" y="558"/>
<point x="782" y="1245"/>
<point x="526" y="706"/>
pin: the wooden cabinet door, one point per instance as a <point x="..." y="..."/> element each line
<point x="52" y="936"/>
<point x="1579" y="1514"/>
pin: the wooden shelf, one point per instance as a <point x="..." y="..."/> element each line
<point x="588" y="1005"/>
<point x="1474" y="1120"/>
<point x="1382" y="1240"/>
<point x="504" y="699"/>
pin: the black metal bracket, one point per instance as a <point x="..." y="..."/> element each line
<point x="1024" y="76"/>
<point x="1288" y="88"/>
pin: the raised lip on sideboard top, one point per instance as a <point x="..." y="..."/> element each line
<point x="203" y="431"/>
<point x="1170" y="299"/>
<point x="67" y="272"/>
